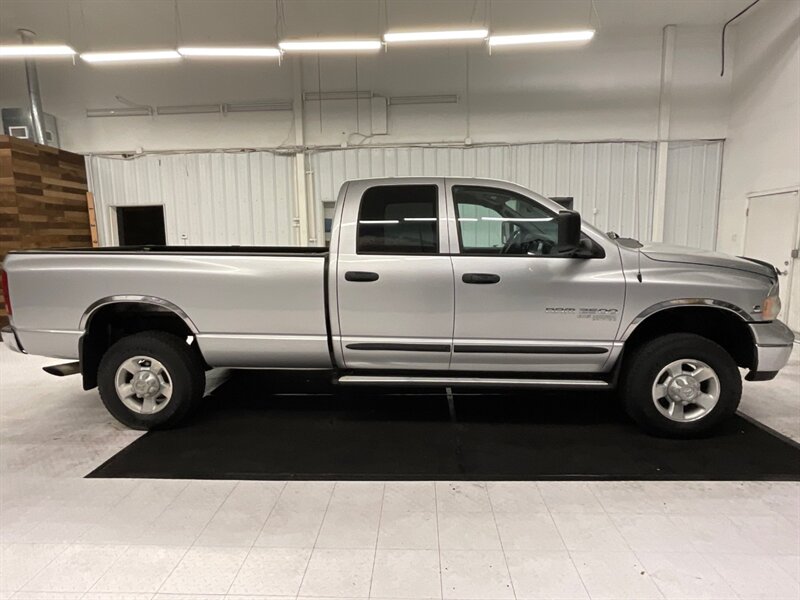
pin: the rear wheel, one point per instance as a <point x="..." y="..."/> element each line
<point x="680" y="385"/>
<point x="151" y="380"/>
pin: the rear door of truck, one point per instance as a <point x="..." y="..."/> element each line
<point x="394" y="276"/>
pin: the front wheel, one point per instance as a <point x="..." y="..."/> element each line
<point x="151" y="380"/>
<point x="680" y="385"/>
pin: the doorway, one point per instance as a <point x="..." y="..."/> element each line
<point x="773" y="228"/>
<point x="141" y="226"/>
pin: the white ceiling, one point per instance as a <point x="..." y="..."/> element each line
<point x="118" y="24"/>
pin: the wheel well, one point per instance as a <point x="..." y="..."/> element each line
<point x="718" y="325"/>
<point x="112" y="322"/>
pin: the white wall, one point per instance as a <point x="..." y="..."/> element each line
<point x="209" y="198"/>
<point x="606" y="90"/>
<point x="762" y="150"/>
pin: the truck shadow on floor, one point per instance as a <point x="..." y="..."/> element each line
<point x="258" y="425"/>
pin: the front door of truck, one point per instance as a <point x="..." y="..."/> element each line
<point x="519" y="306"/>
<point x="394" y="277"/>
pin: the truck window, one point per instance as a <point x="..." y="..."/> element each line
<point x="399" y="219"/>
<point x="494" y="221"/>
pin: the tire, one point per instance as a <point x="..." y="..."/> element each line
<point x="671" y="362"/>
<point x="171" y="373"/>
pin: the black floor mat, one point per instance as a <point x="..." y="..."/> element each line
<point x="262" y="426"/>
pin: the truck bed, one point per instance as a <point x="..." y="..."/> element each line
<point x="248" y="306"/>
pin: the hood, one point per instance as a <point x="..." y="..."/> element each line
<point x="695" y="256"/>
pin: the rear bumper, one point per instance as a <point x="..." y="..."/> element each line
<point x="774" y="343"/>
<point x="10" y="339"/>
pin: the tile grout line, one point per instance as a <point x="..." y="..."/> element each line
<point x="190" y="546"/>
<point x="214" y="514"/>
<point x="377" y="537"/>
<point x="627" y="543"/>
<point x="438" y="541"/>
<point x="500" y="539"/>
<point x="564" y="542"/>
<point x="68" y="545"/>
<point x="271" y="510"/>
<point x="32" y="577"/>
<point x="314" y="545"/>
<point x="255" y="538"/>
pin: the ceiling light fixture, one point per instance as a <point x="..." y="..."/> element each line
<point x="330" y="46"/>
<point x="542" y="38"/>
<point x="240" y="52"/>
<point x="435" y="36"/>
<point x="34" y="51"/>
<point x="134" y="56"/>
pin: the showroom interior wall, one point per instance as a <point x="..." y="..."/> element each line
<point x="762" y="149"/>
<point x="209" y="198"/>
<point x="598" y="105"/>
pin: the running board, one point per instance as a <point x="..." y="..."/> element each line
<point x="471" y="381"/>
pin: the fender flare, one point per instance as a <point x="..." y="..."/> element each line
<point x="683" y="302"/>
<point x="135" y="298"/>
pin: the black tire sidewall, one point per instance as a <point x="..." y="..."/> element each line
<point x="648" y="361"/>
<point x="181" y="363"/>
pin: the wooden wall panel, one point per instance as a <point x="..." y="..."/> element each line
<point x="42" y="199"/>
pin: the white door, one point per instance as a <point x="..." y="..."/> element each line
<point x="773" y="221"/>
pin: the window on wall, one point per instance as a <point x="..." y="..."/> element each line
<point x="399" y="219"/>
<point x="494" y="221"/>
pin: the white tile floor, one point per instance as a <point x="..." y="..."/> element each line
<point x="64" y="537"/>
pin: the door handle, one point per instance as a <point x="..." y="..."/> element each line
<point x="360" y="276"/>
<point x="480" y="278"/>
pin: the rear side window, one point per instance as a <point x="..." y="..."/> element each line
<point x="399" y="219"/>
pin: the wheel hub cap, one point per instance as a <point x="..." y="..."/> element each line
<point x="143" y="385"/>
<point x="683" y="388"/>
<point x="686" y="390"/>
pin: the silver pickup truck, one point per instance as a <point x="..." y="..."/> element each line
<point x="428" y="281"/>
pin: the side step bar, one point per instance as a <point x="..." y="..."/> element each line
<point x="470" y="381"/>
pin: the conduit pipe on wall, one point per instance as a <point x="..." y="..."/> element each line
<point x="34" y="96"/>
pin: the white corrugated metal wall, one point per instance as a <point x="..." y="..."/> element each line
<point x="693" y="185"/>
<point x="612" y="182"/>
<point x="248" y="198"/>
<point x="213" y="198"/>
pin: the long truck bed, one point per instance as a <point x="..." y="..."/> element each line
<point x="246" y="306"/>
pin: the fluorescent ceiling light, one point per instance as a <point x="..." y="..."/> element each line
<point x="134" y="56"/>
<point x="240" y="52"/>
<point x="32" y="50"/>
<point x="542" y="38"/>
<point x="435" y="36"/>
<point x="330" y="46"/>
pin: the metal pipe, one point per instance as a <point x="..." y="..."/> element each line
<point x="34" y="96"/>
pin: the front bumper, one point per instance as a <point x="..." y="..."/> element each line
<point x="774" y="343"/>
<point x="10" y="339"/>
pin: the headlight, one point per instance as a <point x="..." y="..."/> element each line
<point x="771" y="305"/>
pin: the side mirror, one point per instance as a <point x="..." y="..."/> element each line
<point x="569" y="231"/>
